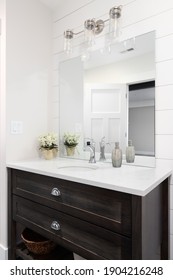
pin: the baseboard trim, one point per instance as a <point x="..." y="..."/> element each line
<point x="3" y="253"/>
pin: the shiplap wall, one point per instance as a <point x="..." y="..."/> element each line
<point x="139" y="16"/>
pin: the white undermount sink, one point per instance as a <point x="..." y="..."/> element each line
<point x="78" y="167"/>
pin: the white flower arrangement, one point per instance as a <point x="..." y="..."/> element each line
<point x="48" y="141"/>
<point x="71" y="140"/>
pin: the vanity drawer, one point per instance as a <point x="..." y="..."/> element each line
<point x="105" y="208"/>
<point x="88" y="240"/>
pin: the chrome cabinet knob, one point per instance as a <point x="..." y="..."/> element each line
<point x="55" y="225"/>
<point x="55" y="192"/>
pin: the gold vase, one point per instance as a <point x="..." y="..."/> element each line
<point x="49" y="154"/>
<point x="70" y="151"/>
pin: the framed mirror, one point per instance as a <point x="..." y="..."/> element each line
<point x="111" y="94"/>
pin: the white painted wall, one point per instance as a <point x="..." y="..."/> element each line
<point x="137" y="19"/>
<point x="128" y="71"/>
<point x="28" y="47"/>
<point x="141" y="129"/>
<point x="3" y="178"/>
<point x="25" y="63"/>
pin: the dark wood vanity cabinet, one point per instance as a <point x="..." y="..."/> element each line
<point x="93" y="222"/>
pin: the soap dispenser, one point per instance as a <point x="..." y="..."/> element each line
<point x="102" y="149"/>
<point x="117" y="156"/>
<point x="130" y="152"/>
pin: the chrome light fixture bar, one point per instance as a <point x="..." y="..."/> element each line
<point x="94" y="27"/>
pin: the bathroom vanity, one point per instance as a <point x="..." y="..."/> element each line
<point x="96" y="211"/>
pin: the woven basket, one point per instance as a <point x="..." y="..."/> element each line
<point x="36" y="243"/>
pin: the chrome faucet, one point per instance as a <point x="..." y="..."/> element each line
<point x="102" y="149"/>
<point x="91" y="145"/>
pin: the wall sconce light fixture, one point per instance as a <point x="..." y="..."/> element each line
<point x="114" y="21"/>
<point x="94" y="27"/>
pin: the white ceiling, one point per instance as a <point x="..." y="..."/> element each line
<point x="51" y="3"/>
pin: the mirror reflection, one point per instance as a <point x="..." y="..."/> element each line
<point x="141" y="117"/>
<point x="109" y="96"/>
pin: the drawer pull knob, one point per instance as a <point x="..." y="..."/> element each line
<point x="55" y="225"/>
<point x="55" y="192"/>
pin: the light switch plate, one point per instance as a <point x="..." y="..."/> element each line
<point x="16" y="127"/>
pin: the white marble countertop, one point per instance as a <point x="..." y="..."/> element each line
<point x="129" y="179"/>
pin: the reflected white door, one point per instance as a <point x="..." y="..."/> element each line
<point x="105" y="113"/>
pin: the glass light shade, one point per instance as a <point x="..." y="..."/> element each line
<point x="68" y="41"/>
<point x="115" y="23"/>
<point x="89" y="32"/>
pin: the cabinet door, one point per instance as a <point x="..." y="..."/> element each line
<point x="84" y="238"/>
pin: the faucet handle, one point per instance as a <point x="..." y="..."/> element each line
<point x="89" y="141"/>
